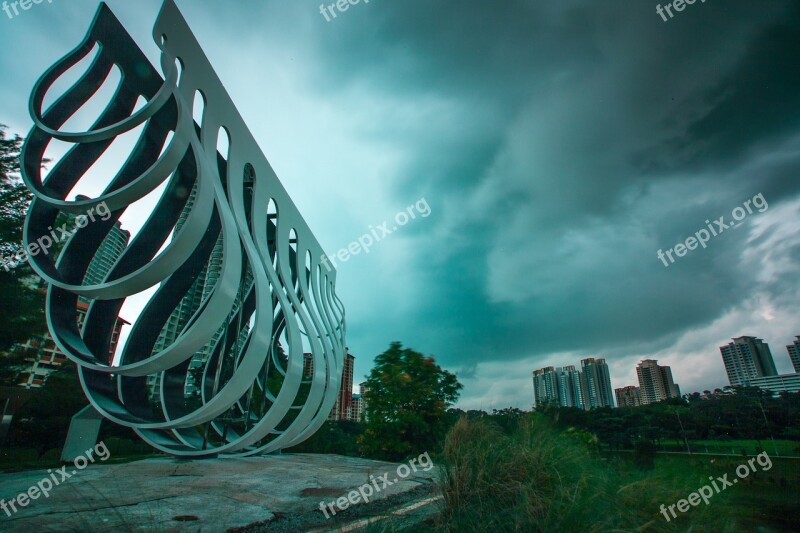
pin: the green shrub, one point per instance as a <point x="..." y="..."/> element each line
<point x="533" y="480"/>
<point x="536" y="478"/>
<point x="51" y="456"/>
<point x="644" y="454"/>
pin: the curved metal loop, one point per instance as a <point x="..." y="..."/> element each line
<point x="229" y="280"/>
<point x="44" y="84"/>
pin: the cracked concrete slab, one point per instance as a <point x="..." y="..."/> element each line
<point x="167" y="494"/>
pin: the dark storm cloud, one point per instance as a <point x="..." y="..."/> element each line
<point x="587" y="136"/>
<point x="755" y="104"/>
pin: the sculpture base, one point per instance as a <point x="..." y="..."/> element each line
<point x="165" y="494"/>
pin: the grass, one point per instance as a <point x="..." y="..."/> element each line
<point x="784" y="447"/>
<point x="535" y="478"/>
<point x="21" y="459"/>
<point x="765" y="498"/>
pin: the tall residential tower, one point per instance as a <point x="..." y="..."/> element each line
<point x="794" y="354"/>
<point x="746" y="358"/>
<point x="628" y="396"/>
<point x="43" y="357"/>
<point x="560" y="386"/>
<point x="597" y="383"/>
<point x="655" y="382"/>
<point x="341" y="410"/>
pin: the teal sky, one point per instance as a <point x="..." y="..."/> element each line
<point x="559" y="146"/>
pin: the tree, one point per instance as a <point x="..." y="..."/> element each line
<point x="15" y="196"/>
<point x="21" y="314"/>
<point x="508" y="419"/>
<point x="407" y="399"/>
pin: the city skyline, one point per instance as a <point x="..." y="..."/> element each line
<point x="656" y="383"/>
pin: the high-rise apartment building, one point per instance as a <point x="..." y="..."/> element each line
<point x="341" y="411"/>
<point x="570" y="387"/>
<point x="200" y="290"/>
<point x="560" y="386"/>
<point x="308" y="365"/>
<point x="356" y="409"/>
<point x="777" y="384"/>
<point x="45" y="357"/>
<point x="629" y="396"/>
<point x="106" y="256"/>
<point x="545" y="386"/>
<point x="794" y="354"/>
<point x="746" y="358"/>
<point x="597" y="389"/>
<point x="655" y="382"/>
<point x="41" y="351"/>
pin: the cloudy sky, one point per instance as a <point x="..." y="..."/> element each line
<point x="559" y="145"/>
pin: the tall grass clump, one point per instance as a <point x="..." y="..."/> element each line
<point x="535" y="478"/>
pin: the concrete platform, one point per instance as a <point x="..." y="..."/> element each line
<point x="166" y="494"/>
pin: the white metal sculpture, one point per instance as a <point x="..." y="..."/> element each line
<point x="270" y="297"/>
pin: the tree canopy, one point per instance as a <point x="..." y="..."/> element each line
<point x="407" y="398"/>
<point x="21" y="304"/>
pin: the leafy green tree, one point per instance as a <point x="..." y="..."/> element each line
<point x="407" y="400"/>
<point x="21" y="314"/>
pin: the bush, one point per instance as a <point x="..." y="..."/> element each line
<point x="19" y="455"/>
<point x="533" y="477"/>
<point x="336" y="437"/>
<point x="644" y="454"/>
<point x="119" y="447"/>
<point x="51" y="456"/>
<point x="532" y="480"/>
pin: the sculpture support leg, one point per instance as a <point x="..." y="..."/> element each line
<point x="82" y="435"/>
<point x="5" y="421"/>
